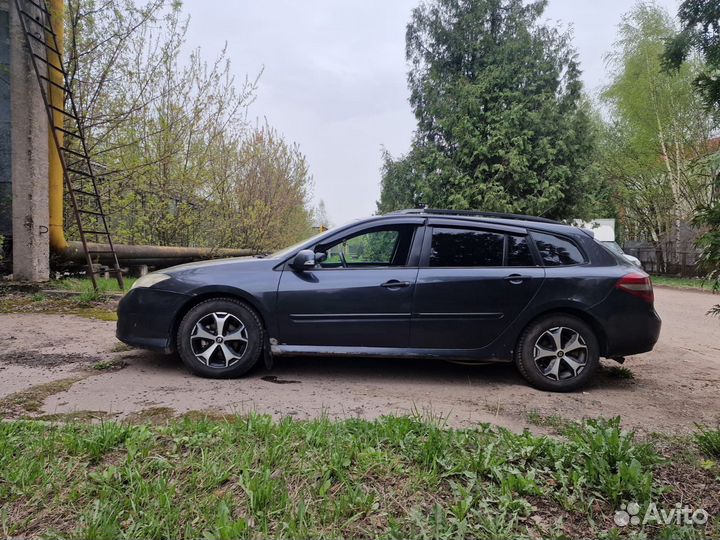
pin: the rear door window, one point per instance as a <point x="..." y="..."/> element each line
<point x="557" y="251"/>
<point x="463" y="247"/>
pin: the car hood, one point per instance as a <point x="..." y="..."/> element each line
<point x="200" y="265"/>
<point x="218" y="266"/>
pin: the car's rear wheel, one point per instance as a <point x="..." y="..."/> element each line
<point x="220" y="338"/>
<point x="558" y="353"/>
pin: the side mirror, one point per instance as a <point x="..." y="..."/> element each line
<point x="304" y="260"/>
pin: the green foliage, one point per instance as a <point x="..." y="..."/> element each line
<point x="613" y="463"/>
<point x="502" y="124"/>
<point x="680" y="283"/>
<point x="654" y="152"/>
<point x="169" y="137"/>
<point x="105" y="285"/>
<point x="700" y="32"/>
<point x="621" y="372"/>
<point x="373" y="247"/>
<point x="708" y="440"/>
<point x="709" y="242"/>
<point x="244" y="477"/>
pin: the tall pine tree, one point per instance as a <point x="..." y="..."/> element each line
<point x="502" y="123"/>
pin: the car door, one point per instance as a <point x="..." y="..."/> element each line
<point x="472" y="283"/>
<point x="360" y="295"/>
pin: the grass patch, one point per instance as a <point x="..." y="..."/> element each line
<point x="74" y="416"/>
<point x="709" y="441"/>
<point x="105" y="285"/>
<point x="620" y="372"/>
<point x="121" y="347"/>
<point x="681" y="283"/>
<point x="555" y="422"/>
<point x="152" y="415"/>
<point x="32" y="399"/>
<point x="19" y="302"/>
<point x="109" y="365"/>
<point x="251" y="477"/>
<point x="99" y="313"/>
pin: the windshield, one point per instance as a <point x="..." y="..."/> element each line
<point x="286" y="251"/>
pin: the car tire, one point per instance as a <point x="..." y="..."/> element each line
<point x="230" y="352"/>
<point x="575" y="353"/>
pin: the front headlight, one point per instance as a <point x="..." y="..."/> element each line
<point x="149" y="280"/>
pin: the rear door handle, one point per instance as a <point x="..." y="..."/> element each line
<point x="395" y="284"/>
<point x="516" y="279"/>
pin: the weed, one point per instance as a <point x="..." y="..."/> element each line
<point x="708" y="440"/>
<point x="74" y="416"/>
<point x="555" y="422"/>
<point x="91" y="297"/>
<point x="620" y="372"/>
<point x="121" y="347"/>
<point x="612" y="463"/>
<point x="109" y="365"/>
<point x="152" y="415"/>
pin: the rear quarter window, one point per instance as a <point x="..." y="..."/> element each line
<point x="557" y="251"/>
<point x="518" y="252"/>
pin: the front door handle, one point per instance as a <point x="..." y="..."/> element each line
<point x="516" y="279"/>
<point x="395" y="284"/>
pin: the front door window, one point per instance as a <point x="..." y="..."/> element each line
<point x="377" y="248"/>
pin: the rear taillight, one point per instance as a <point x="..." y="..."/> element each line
<point x="638" y="284"/>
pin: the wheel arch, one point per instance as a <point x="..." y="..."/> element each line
<point x="581" y="314"/>
<point x="219" y="294"/>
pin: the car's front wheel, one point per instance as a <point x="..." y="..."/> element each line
<point x="559" y="353"/>
<point x="220" y="338"/>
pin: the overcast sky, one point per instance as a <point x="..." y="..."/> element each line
<point x="334" y="76"/>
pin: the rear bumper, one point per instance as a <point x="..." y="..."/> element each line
<point x="630" y="329"/>
<point x="146" y="318"/>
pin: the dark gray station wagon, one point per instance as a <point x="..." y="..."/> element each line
<point x="445" y="284"/>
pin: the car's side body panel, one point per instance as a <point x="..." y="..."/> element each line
<point x="345" y="307"/>
<point x="468" y="308"/>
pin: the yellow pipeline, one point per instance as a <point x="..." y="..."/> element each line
<point x="55" y="174"/>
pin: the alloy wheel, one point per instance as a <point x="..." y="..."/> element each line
<point x="219" y="340"/>
<point x="560" y="353"/>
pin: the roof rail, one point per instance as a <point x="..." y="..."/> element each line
<point x="474" y="213"/>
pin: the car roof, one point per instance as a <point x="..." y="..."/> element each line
<point x="499" y="218"/>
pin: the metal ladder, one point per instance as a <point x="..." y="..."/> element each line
<point x="80" y="179"/>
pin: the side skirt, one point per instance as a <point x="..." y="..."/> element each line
<point x="386" y="352"/>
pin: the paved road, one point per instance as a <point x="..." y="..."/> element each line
<point x="673" y="387"/>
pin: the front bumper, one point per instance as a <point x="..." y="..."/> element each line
<point x="146" y="318"/>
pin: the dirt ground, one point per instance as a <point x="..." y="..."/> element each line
<point x="672" y="387"/>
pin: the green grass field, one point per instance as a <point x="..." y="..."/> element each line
<point x="397" y="477"/>
<point x="681" y="283"/>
